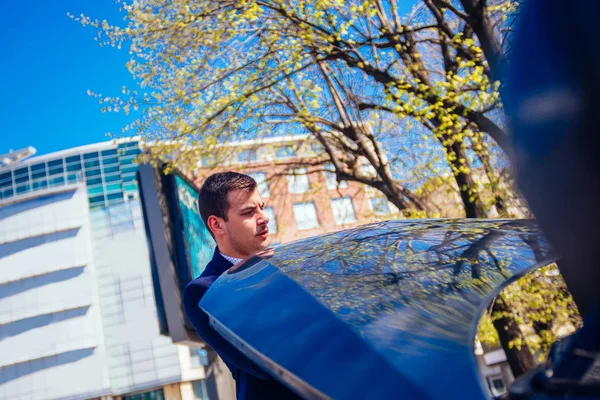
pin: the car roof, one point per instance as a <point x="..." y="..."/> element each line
<point x="378" y="310"/>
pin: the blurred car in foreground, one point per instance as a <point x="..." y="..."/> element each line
<point x="388" y="310"/>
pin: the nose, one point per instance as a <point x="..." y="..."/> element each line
<point x="263" y="219"/>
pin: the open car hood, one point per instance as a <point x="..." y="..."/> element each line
<point x="381" y="311"/>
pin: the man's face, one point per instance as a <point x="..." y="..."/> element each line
<point x="246" y="230"/>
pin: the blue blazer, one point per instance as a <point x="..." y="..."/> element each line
<point x="251" y="381"/>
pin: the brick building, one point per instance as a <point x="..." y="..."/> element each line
<point x="302" y="195"/>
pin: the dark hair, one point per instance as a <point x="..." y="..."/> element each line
<point x="212" y="199"/>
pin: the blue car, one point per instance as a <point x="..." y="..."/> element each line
<point x="388" y="310"/>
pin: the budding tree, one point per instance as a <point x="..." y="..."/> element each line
<point x="356" y="75"/>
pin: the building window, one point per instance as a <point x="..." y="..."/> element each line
<point x="331" y="179"/>
<point x="262" y="182"/>
<point x="285" y="151"/>
<point x="379" y="205"/>
<point x="268" y="211"/>
<point x="76" y="166"/>
<point x="209" y="160"/>
<point x="56" y="171"/>
<point x="40" y="184"/>
<point x="128" y="178"/>
<point x="130" y="169"/>
<point x="118" y="196"/>
<point x="129" y="152"/>
<point x="306" y="215"/>
<point x="368" y="170"/>
<point x="72" y="159"/>
<point x="317" y="148"/>
<point x="92" y="172"/>
<point x="245" y="156"/>
<point x="200" y="391"/>
<point x="343" y="211"/>
<point x="6" y="179"/>
<point x="92" y="163"/>
<point x="496" y="385"/>
<point x="111" y="170"/>
<point x="298" y="181"/>
<point x="73" y="178"/>
<point x="93" y="181"/>
<point x="157" y="394"/>
<point x="21" y="175"/>
<point x="113" y="187"/>
<point x="38" y="167"/>
<point x="95" y="190"/>
<point x="126" y="161"/>
<point x="110" y="152"/>
<point x="55" y="163"/>
<point x="112" y="178"/>
<point x="38" y="171"/>
<point x="57" y="181"/>
<point x="198" y="357"/>
<point x="6" y="193"/>
<point x="110" y="161"/>
<point x="23" y="188"/>
<point x="127" y="145"/>
<point x="130" y="187"/>
<point x="97" y="200"/>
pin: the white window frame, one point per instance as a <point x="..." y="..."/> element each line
<point x="331" y="179"/>
<point x="348" y="218"/>
<point x="270" y="213"/>
<point x="314" y="224"/>
<point x="368" y="170"/>
<point x="262" y="183"/>
<point x="385" y="200"/>
<point x="283" y="157"/>
<point x="252" y="156"/>
<point x="295" y="178"/>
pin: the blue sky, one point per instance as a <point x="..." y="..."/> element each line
<point x="47" y="64"/>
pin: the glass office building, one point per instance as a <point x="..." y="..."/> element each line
<point x="109" y="173"/>
<point x="78" y="316"/>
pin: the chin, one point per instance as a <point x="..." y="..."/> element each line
<point x="265" y="243"/>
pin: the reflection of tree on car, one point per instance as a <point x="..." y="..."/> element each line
<point x="408" y="269"/>
<point x="413" y="290"/>
<point x="542" y="305"/>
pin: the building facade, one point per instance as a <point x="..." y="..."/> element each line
<point x="78" y="316"/>
<point x="77" y="307"/>
<point x="300" y="190"/>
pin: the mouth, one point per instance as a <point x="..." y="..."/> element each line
<point x="263" y="234"/>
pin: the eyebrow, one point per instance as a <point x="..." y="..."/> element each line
<point x="247" y="208"/>
<point x="251" y="207"/>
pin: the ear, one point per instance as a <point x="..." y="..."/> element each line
<point x="216" y="225"/>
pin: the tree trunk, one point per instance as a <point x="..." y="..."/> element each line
<point x="520" y="359"/>
<point x="466" y="184"/>
<point x="403" y="199"/>
<point x="499" y="200"/>
<point x="484" y="29"/>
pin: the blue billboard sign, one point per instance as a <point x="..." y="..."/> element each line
<point x="199" y="244"/>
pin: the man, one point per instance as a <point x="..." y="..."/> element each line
<point x="232" y="210"/>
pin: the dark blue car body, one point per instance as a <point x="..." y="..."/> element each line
<point x="388" y="310"/>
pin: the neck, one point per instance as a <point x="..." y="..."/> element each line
<point x="224" y="248"/>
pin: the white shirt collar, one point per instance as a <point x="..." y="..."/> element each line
<point x="232" y="260"/>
